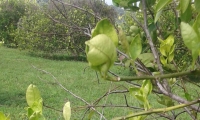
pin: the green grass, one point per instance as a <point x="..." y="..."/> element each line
<point x="17" y="73"/>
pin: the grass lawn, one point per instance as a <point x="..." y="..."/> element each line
<point x="17" y="73"/>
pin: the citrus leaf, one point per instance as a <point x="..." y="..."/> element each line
<point x="191" y="40"/>
<point x="33" y="97"/>
<point x="147" y="59"/>
<point x="67" y="111"/>
<point x="135" y="47"/>
<point x="184" y="5"/>
<point x="197" y="4"/>
<point x="196" y="25"/>
<point x="187" y="15"/>
<point x="147" y="87"/>
<point x="123" y="40"/>
<point x="161" y="4"/>
<point x="36" y="116"/>
<point x="158" y="14"/>
<point x="3" y="117"/>
<point x="105" y="27"/>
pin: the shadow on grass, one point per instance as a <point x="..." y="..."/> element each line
<point x="58" y="56"/>
<point x="16" y="99"/>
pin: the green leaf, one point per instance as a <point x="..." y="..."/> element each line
<point x="37" y="116"/>
<point x="158" y="14"/>
<point x="188" y="96"/>
<point x="147" y="59"/>
<point x="101" y="53"/>
<point x="67" y="111"/>
<point x="3" y="117"/>
<point x="123" y="40"/>
<point x="127" y="63"/>
<point x="187" y="15"/>
<point x="191" y="40"/>
<point x="29" y="111"/>
<point x="163" y="60"/>
<point x="150" y="2"/>
<point x="196" y="25"/>
<point x="161" y="4"/>
<point x="184" y="5"/>
<point x="165" y="100"/>
<point x="33" y="98"/>
<point x="105" y="27"/>
<point x="197" y="4"/>
<point x="147" y="87"/>
<point x="135" y="47"/>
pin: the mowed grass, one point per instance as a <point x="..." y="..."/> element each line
<point x="17" y="73"/>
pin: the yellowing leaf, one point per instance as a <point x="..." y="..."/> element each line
<point x="67" y="111"/>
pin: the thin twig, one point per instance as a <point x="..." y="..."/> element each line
<point x="55" y="79"/>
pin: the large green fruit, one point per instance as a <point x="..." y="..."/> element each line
<point x="101" y="53"/>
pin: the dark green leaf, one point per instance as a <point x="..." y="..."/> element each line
<point x="184" y="5"/>
<point x="197" y="5"/>
<point x="187" y="15"/>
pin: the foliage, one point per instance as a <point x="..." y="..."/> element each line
<point x="58" y="27"/>
<point x="152" y="52"/>
<point x="3" y="117"/>
<point x="35" y="103"/>
<point x="10" y="13"/>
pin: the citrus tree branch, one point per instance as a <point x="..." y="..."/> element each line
<point x="171" y="75"/>
<point x="159" y="110"/>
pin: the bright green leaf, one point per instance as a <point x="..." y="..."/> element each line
<point x="191" y="40"/>
<point x="105" y="27"/>
<point x="163" y="60"/>
<point x="135" y="47"/>
<point x="36" y="116"/>
<point x="147" y="87"/>
<point x="33" y="97"/>
<point x="67" y="111"/>
<point x="3" y="117"/>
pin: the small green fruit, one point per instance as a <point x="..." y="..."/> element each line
<point x="134" y="29"/>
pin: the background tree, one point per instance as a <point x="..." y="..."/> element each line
<point x="58" y="26"/>
<point x="10" y="13"/>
